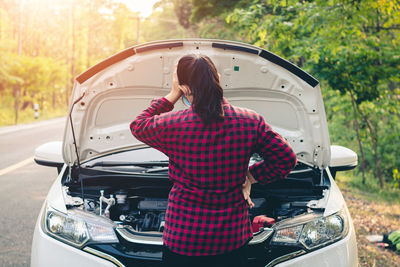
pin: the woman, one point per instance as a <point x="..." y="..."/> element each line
<point x="209" y="146"/>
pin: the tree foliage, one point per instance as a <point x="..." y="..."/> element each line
<point x="350" y="46"/>
<point x="45" y="44"/>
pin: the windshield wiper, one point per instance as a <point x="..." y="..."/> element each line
<point x="162" y="169"/>
<point x="144" y="164"/>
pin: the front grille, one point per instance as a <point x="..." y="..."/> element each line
<point x="145" y="263"/>
<point x="138" y="255"/>
<point x="151" y="256"/>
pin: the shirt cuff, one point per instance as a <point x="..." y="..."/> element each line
<point x="168" y="104"/>
<point x="253" y="170"/>
<point x="162" y="104"/>
<point x="260" y="173"/>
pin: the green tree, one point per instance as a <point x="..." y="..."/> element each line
<point x="51" y="43"/>
<point x="350" y="46"/>
<point x="164" y="24"/>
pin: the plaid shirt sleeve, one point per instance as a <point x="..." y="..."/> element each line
<point x="279" y="157"/>
<point x="148" y="127"/>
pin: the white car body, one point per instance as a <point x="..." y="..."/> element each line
<point x="109" y="95"/>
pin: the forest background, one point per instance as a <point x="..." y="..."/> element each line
<point x="351" y="46"/>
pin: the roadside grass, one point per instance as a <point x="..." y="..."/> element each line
<point x="370" y="190"/>
<point x="374" y="211"/>
<point x="27" y="115"/>
<point x="7" y="116"/>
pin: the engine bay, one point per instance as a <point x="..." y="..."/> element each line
<point x="145" y="212"/>
<point x="140" y="200"/>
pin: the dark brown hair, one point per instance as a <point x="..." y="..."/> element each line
<point x="200" y="74"/>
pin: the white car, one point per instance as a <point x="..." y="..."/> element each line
<point x="107" y="205"/>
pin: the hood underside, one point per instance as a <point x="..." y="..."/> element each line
<point x="117" y="89"/>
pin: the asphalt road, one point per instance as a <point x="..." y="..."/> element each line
<point x="23" y="186"/>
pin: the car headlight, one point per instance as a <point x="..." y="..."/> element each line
<point x="77" y="227"/>
<point x="312" y="234"/>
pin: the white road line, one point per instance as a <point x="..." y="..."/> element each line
<point x="16" y="166"/>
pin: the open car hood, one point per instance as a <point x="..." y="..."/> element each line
<point x="111" y="94"/>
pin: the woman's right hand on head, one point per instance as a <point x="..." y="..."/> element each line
<point x="176" y="90"/>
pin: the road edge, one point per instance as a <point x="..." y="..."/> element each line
<point x="14" y="128"/>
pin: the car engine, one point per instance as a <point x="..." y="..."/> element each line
<point x="147" y="214"/>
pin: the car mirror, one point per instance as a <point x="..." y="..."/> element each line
<point x="342" y="159"/>
<point x="50" y="154"/>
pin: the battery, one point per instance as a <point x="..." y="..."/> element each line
<point x="262" y="221"/>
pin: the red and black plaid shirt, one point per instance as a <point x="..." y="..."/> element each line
<point x="207" y="213"/>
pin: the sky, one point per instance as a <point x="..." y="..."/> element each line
<point x="145" y="7"/>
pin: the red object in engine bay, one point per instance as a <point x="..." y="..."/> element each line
<point x="262" y="221"/>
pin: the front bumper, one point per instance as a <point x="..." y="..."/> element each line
<point x="47" y="251"/>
